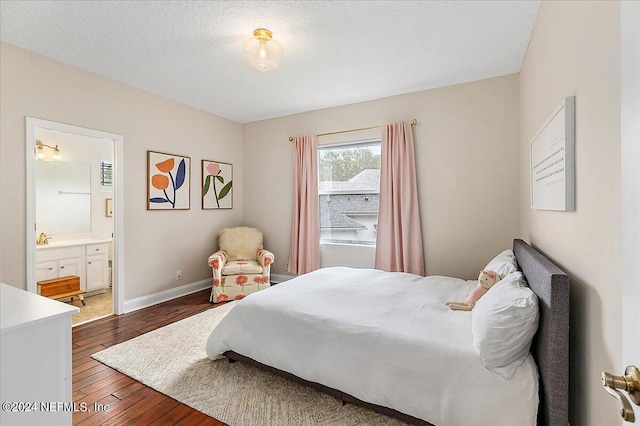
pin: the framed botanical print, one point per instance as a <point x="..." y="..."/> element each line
<point x="168" y="181"/>
<point x="217" y="185"/>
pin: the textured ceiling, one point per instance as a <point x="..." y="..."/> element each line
<point x="335" y="52"/>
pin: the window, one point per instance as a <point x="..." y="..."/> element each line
<point x="106" y="176"/>
<point x="349" y="191"/>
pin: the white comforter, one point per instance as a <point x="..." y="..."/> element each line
<point x="384" y="338"/>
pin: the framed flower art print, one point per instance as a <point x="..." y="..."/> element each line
<point x="168" y="181"/>
<point x="217" y="185"/>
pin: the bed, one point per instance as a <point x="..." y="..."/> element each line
<point x="305" y="329"/>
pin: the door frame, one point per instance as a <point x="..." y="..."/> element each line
<point x="118" y="200"/>
<point x="630" y="176"/>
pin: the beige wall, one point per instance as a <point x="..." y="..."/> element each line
<point x="467" y="161"/>
<point x="156" y="243"/>
<point x="575" y="50"/>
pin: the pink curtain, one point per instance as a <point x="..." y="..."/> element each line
<point x="399" y="239"/>
<point x="304" y="255"/>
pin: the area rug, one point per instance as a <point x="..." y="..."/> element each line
<point x="172" y="360"/>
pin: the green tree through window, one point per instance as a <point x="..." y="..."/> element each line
<point x="344" y="164"/>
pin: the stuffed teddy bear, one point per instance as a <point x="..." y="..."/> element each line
<point x="486" y="280"/>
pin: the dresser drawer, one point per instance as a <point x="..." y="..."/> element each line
<point x="97" y="249"/>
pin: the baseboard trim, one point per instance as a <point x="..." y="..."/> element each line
<point x="165" y="295"/>
<point x="278" y="278"/>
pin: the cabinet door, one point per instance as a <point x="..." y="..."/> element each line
<point x="46" y="271"/>
<point x="73" y="266"/>
<point x="97" y="269"/>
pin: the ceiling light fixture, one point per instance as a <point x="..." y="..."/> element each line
<point x="262" y="51"/>
<point x="40" y="151"/>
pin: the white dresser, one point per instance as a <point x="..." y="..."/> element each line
<point x="87" y="259"/>
<point x="35" y="359"/>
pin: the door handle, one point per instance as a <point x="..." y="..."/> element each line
<point x="630" y="382"/>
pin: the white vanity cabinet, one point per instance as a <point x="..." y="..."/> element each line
<point x="71" y="266"/>
<point x="87" y="259"/>
<point x="46" y="270"/>
<point x="59" y="268"/>
<point x="97" y="266"/>
<point x="55" y="262"/>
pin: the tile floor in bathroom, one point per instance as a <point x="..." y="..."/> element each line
<point x="96" y="306"/>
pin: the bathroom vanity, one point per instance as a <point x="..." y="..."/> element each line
<point x="86" y="258"/>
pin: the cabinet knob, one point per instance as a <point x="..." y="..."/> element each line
<point x="89" y="263"/>
<point x="97" y="249"/>
<point x="62" y="267"/>
<point x="51" y="269"/>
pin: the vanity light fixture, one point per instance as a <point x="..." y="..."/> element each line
<point x="40" y="150"/>
<point x="262" y="51"/>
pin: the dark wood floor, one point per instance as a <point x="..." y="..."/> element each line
<point x="130" y="402"/>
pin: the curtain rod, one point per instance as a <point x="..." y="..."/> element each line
<point x="413" y="123"/>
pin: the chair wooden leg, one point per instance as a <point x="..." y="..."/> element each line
<point x="81" y="297"/>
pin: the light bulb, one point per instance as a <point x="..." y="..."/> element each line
<point x="39" y="152"/>
<point x="262" y="51"/>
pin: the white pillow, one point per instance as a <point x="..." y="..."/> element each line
<point x="504" y="263"/>
<point x="503" y="323"/>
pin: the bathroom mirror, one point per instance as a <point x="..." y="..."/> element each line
<point x="63" y="197"/>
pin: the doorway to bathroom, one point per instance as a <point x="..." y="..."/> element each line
<point x="74" y="201"/>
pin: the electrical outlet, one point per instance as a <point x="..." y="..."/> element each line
<point x="178" y="275"/>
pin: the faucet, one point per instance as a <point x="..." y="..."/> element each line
<point x="43" y="239"/>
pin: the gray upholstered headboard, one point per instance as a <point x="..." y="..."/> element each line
<point x="550" y="346"/>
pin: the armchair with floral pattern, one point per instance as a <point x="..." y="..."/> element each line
<point x="241" y="266"/>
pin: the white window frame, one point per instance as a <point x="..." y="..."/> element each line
<point x="350" y="144"/>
